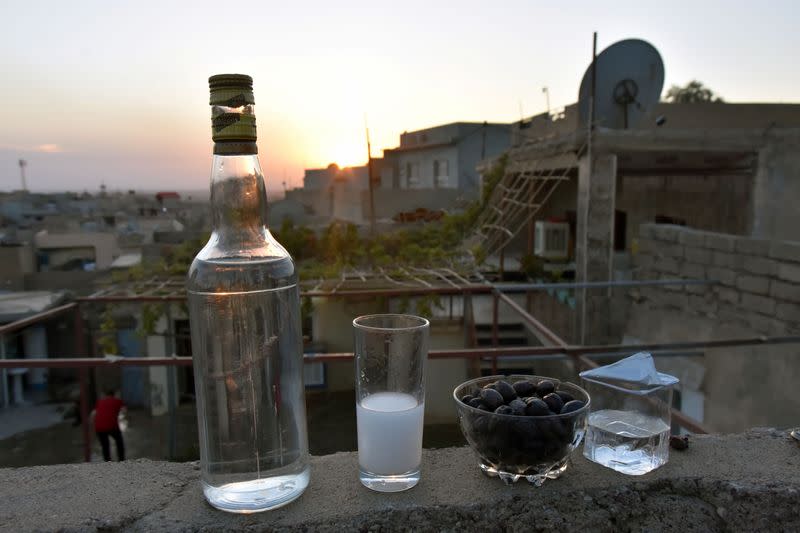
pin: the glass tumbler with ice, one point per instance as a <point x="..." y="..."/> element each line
<point x="390" y="355"/>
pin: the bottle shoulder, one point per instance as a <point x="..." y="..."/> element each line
<point x="214" y="270"/>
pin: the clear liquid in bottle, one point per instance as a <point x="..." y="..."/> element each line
<point x="248" y="363"/>
<point x="244" y="310"/>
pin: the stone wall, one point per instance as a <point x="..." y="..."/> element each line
<point x="758" y="280"/>
<point x="758" y="294"/>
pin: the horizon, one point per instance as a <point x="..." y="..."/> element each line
<point x="131" y="115"/>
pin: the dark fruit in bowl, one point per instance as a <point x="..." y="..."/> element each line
<point x="474" y="402"/>
<point x="545" y="387"/>
<point x="518" y="407"/>
<point x="504" y="410"/>
<point x="492" y="398"/>
<point x="574" y="405"/>
<point x="565" y="396"/>
<point x="527" y="435"/>
<point x="506" y="390"/>
<point x="524" y="388"/>
<point x="554" y="402"/>
<point x="537" y="407"/>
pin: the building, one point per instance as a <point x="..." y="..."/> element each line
<point x="20" y="385"/>
<point x="435" y="168"/>
<point x="330" y="193"/>
<point x="728" y="168"/>
<point x="705" y="192"/>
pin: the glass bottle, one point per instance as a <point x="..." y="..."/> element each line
<point x="244" y="310"/>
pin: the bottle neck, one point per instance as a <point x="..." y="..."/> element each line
<point x="238" y="198"/>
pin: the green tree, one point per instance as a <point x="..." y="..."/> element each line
<point x="692" y="93"/>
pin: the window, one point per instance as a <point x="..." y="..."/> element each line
<point x="412" y="175"/>
<point x="441" y="173"/>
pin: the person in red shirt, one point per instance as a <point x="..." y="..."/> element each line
<point x="105" y="414"/>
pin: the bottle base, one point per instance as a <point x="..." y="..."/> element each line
<point x="257" y="495"/>
<point x="397" y="483"/>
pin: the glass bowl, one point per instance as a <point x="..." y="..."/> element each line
<point x="511" y="446"/>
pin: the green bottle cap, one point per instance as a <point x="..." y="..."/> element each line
<point x="237" y="124"/>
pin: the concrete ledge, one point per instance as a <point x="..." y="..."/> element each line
<point x="733" y="482"/>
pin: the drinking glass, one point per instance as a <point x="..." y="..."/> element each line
<point x="390" y="355"/>
<point x="629" y="422"/>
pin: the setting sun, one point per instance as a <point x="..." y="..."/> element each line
<point x="350" y="154"/>
<point x="345" y="153"/>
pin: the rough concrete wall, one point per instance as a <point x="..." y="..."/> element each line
<point x="759" y="280"/>
<point x="333" y="331"/>
<point x="721" y="483"/>
<point x="477" y="143"/>
<point x="389" y="202"/>
<point x="701" y="115"/>
<point x="758" y="294"/>
<point x="104" y="244"/>
<point x="594" y="237"/>
<point x="15" y="262"/>
<point x="776" y="190"/>
<point x="713" y="203"/>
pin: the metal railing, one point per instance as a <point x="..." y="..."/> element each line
<point x="553" y="345"/>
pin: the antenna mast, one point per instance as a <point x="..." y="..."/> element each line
<point x="22" y="165"/>
<point x="370" y="180"/>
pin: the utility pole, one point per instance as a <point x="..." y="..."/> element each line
<point x="585" y="211"/>
<point x="22" y="165"/>
<point x="483" y="141"/>
<point x="371" y="184"/>
<point x="546" y="92"/>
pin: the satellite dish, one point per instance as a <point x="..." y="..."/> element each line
<point x="628" y="83"/>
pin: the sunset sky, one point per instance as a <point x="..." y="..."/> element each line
<point x="116" y="92"/>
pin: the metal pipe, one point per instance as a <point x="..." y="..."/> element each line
<point x="475" y="288"/>
<point x="495" y="325"/>
<point x="524" y="287"/>
<point x="582" y="353"/>
<point x="4" y="373"/>
<point x="692" y="345"/>
<point x="94" y="362"/>
<point x="129" y="298"/>
<point x="38" y="317"/>
<point x="169" y="342"/>
<point x="79" y="332"/>
<point x="87" y="448"/>
<point x="410" y="291"/>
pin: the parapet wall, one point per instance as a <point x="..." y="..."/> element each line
<point x="744" y="482"/>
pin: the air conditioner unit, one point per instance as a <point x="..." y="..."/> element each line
<point x="551" y="240"/>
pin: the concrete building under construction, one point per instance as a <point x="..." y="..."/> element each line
<point x="701" y="192"/>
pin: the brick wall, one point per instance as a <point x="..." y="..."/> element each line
<point x="759" y="280"/>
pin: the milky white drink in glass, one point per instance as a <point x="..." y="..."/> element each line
<point x="390" y="356"/>
<point x="390" y="433"/>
